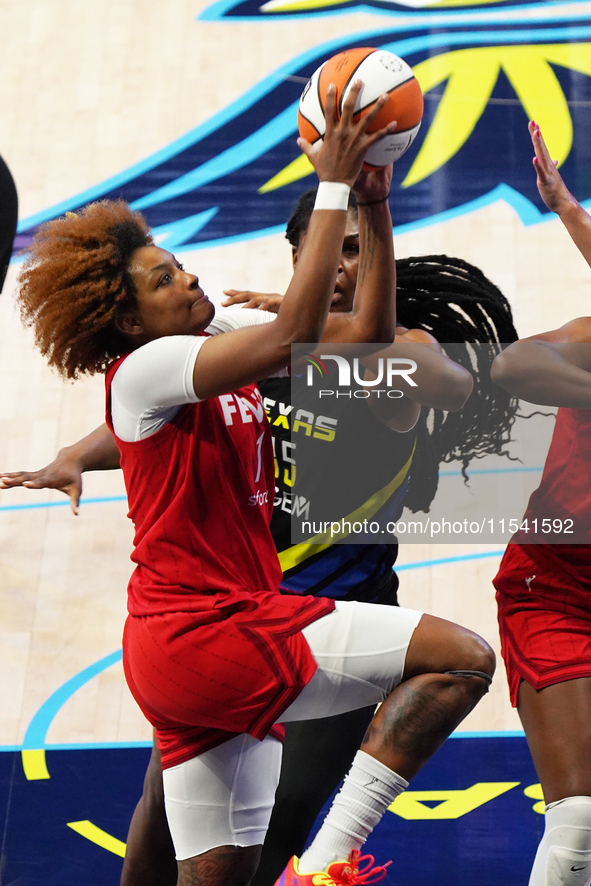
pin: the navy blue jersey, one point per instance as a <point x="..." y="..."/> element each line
<point x="341" y="571"/>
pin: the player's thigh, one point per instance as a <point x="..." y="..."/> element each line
<point x="360" y="650"/>
<point x="223" y="797"/>
<point x="557" y="723"/>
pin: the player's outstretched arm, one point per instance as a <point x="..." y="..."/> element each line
<point x="95" y="452"/>
<point x="226" y="362"/>
<point x="439" y="382"/>
<point x="549" y="369"/>
<point x="372" y="317"/>
<point x="558" y="198"/>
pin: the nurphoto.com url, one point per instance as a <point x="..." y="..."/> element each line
<point x="431" y="528"/>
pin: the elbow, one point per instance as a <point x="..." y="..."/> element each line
<point x="296" y="341"/>
<point x="460" y="390"/>
<point x="455" y="386"/>
<point x="505" y="372"/>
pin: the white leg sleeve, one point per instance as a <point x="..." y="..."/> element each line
<point x="223" y="797"/>
<point x="564" y="855"/>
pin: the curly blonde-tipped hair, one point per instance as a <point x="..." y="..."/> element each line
<point x="76" y="282"/>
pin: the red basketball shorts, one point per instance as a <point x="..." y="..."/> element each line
<point x="202" y="677"/>
<point x="544" y="620"/>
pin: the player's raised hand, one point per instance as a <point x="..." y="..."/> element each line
<point x="558" y="198"/>
<point x="339" y="156"/>
<point x="263" y="301"/>
<point x="63" y="473"/>
<point x="551" y="186"/>
<point x="373" y="187"/>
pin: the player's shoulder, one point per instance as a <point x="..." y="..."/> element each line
<point x="419" y="336"/>
<point x="577" y="331"/>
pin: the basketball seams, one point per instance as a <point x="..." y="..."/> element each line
<point x="388" y="92"/>
<point x="309" y="122"/>
<point x="320" y="102"/>
<point x="351" y="75"/>
<point x="402" y="150"/>
<point x="338" y="63"/>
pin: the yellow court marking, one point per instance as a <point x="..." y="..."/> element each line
<point x="470" y="76"/>
<point x="534" y="792"/>
<point x="34" y="765"/>
<point x="97" y="835"/>
<point x="454" y="804"/>
<point x="298" y="168"/>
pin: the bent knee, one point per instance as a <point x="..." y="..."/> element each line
<point x="438" y="646"/>
<point x="480" y="655"/>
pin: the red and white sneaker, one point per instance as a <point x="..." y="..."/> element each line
<point x="339" y="873"/>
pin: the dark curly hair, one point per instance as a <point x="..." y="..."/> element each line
<point x="470" y="316"/>
<point x="76" y="282"/>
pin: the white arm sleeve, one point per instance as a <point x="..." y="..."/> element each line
<point x="227" y="319"/>
<point x="154" y="382"/>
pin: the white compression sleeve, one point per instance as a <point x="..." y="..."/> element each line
<point x="157" y="379"/>
<point x="152" y="383"/>
<point x="564" y="855"/>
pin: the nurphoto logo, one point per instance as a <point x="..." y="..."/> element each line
<point x="387" y="371"/>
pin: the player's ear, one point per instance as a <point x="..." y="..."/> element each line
<point x="296" y="250"/>
<point x="129" y="323"/>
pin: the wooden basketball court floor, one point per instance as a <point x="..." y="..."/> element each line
<point x="90" y="90"/>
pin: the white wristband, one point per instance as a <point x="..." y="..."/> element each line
<point x="332" y="195"/>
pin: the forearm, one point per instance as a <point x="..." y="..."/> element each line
<point x="439" y="382"/>
<point x="303" y="311"/>
<point x="96" y="452"/>
<point x="227" y="362"/>
<point x="373" y="317"/>
<point x="578" y="224"/>
<point x="538" y="372"/>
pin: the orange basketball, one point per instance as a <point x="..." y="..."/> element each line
<point x="380" y="72"/>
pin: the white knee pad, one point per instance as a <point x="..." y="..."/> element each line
<point x="564" y="855"/>
<point x="223" y="797"/>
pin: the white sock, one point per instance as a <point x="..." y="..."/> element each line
<point x="564" y="854"/>
<point x="367" y="791"/>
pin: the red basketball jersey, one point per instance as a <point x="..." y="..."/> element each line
<point x="211" y="648"/>
<point x="563" y="498"/>
<point x="200" y="495"/>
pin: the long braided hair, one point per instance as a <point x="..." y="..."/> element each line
<point x="471" y="318"/>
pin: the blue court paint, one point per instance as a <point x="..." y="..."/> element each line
<point x="110" y="498"/>
<point x="444" y="561"/>
<point x="405" y="17"/>
<point x="62" y="504"/>
<point x="490" y="844"/>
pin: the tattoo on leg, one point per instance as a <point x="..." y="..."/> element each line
<point x="222" y="866"/>
<point x="415" y="719"/>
